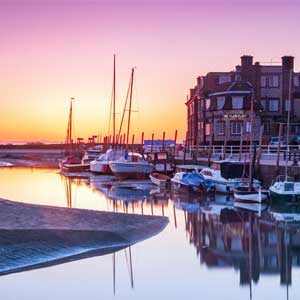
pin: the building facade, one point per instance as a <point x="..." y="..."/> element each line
<point x="218" y="107"/>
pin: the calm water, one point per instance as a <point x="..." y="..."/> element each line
<point x="204" y="253"/>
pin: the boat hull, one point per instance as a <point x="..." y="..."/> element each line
<point x="100" y="168"/>
<point x="75" y="167"/>
<point x="249" y="196"/>
<point x="283" y="197"/>
<point x="162" y="182"/>
<point x="131" y="170"/>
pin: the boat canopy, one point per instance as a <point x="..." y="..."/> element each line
<point x="193" y="178"/>
<point x="231" y="170"/>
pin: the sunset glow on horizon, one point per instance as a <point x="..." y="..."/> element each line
<point x="51" y="51"/>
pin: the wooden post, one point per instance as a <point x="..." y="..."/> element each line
<point x="185" y="146"/>
<point x="241" y="144"/>
<point x="132" y="142"/>
<point x="197" y="147"/>
<point x="210" y="146"/>
<point x="175" y="140"/>
<point x="225" y="142"/>
<point x="260" y="142"/>
<point x="152" y="138"/>
<point x="278" y="148"/>
<point x="163" y="141"/>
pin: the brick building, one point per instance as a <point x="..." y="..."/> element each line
<point x="218" y="107"/>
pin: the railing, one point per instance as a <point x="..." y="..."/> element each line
<point x="264" y="152"/>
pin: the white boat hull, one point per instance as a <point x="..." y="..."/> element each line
<point x="100" y="167"/>
<point x="131" y="169"/>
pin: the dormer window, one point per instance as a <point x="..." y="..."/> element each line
<point x="237" y="102"/>
<point x="220" y="102"/>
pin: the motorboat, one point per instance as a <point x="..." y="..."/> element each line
<point x="72" y="163"/>
<point x="226" y="175"/>
<point x="284" y="189"/>
<point x="190" y="182"/>
<point x="132" y="165"/>
<point x="161" y="180"/>
<point x="91" y="154"/>
<point x="101" y="164"/>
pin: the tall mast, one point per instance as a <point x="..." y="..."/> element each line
<point x="251" y="140"/>
<point x="69" y="129"/>
<point x="114" y="102"/>
<point x="130" y="101"/>
<point x="288" y="126"/>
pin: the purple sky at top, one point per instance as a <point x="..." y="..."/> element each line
<point x="51" y="50"/>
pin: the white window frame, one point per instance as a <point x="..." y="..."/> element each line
<point x="236" y="128"/>
<point x="224" y="78"/>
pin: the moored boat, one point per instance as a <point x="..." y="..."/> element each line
<point x="284" y="189"/>
<point x="226" y="175"/>
<point x="245" y="194"/>
<point x="190" y="182"/>
<point x="161" y="180"/>
<point x="132" y="165"/>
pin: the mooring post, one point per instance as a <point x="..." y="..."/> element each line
<point x="175" y="140"/>
<point x="185" y="146"/>
<point x="241" y="146"/>
<point x="278" y="148"/>
<point x="152" y="138"/>
<point x="260" y="144"/>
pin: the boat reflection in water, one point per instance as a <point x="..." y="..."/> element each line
<point x="252" y="244"/>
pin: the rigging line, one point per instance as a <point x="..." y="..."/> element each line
<point x="124" y="110"/>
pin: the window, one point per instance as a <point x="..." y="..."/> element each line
<point x="269" y="81"/>
<point x="263" y="103"/>
<point x="273" y="81"/>
<point x="237" y="102"/>
<point x="263" y="81"/>
<point x="207" y="104"/>
<point x="236" y="128"/>
<point x="287" y="105"/>
<point x="220" y="128"/>
<point x="220" y="102"/>
<point x="238" y="77"/>
<point x="207" y="129"/>
<point x="224" y="78"/>
<point x="274" y="104"/>
<point x="297" y="80"/>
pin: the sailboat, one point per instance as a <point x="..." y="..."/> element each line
<point x="284" y="188"/>
<point x="101" y="164"/>
<point x="245" y="192"/>
<point x="131" y="164"/>
<point x="72" y="160"/>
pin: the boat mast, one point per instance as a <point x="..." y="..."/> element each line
<point x="130" y="102"/>
<point x="251" y="141"/>
<point x="288" y="126"/>
<point x="114" y="102"/>
<point x="69" y="129"/>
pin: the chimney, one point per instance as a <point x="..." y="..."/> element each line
<point x="287" y="62"/>
<point x="246" y="61"/>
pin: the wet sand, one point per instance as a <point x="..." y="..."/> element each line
<point x="34" y="236"/>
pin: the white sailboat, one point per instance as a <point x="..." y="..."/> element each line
<point x="247" y="192"/>
<point x="131" y="165"/>
<point x="284" y="188"/>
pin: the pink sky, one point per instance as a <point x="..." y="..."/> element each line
<point x="53" y="50"/>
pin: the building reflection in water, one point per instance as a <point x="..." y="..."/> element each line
<point x="253" y="245"/>
<point x="256" y="244"/>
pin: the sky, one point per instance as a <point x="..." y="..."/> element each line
<point x="53" y="50"/>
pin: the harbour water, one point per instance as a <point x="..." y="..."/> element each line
<point x="209" y="250"/>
